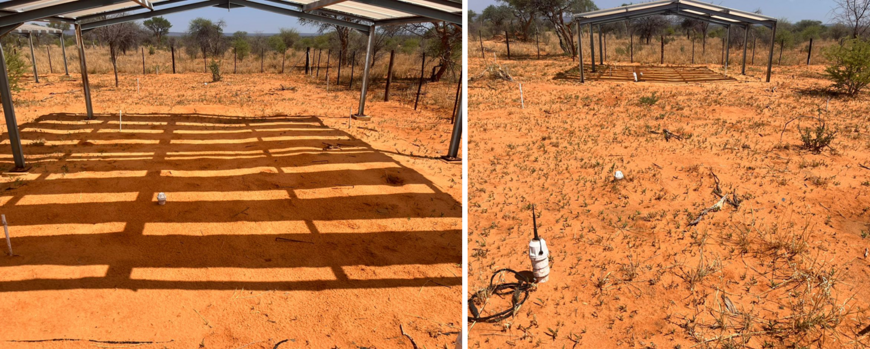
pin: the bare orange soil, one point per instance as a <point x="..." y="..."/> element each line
<point x="782" y="263"/>
<point x="281" y="222"/>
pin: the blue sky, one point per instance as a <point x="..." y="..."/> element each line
<point x="794" y="10"/>
<point x="244" y="19"/>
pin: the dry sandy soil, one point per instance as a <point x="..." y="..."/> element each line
<point x="783" y="265"/>
<point x="281" y="223"/>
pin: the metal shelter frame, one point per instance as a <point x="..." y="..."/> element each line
<point x="710" y="13"/>
<point x="85" y="15"/>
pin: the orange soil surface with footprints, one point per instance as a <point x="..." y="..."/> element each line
<point x="781" y="262"/>
<point x="281" y="222"/>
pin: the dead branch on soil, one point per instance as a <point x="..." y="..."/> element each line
<point x="409" y="336"/>
<point x="668" y="135"/>
<point x="713" y="208"/>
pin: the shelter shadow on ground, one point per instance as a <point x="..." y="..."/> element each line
<point x="258" y="204"/>
<point x="626" y="73"/>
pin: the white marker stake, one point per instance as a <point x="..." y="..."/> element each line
<point x="137" y="86"/>
<point x="6" y="230"/>
<point x="635" y="76"/>
<point x="522" y="102"/>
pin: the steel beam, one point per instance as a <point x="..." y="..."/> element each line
<point x="9" y="112"/>
<point x="86" y="88"/>
<point x="51" y="11"/>
<point x="124" y="10"/>
<point x="455" y="18"/>
<point x="320" y="4"/>
<point x="365" y="78"/>
<point x="403" y="21"/>
<point x="260" y="6"/>
<point x="766" y="23"/>
<point x="144" y="3"/>
<point x="143" y="15"/>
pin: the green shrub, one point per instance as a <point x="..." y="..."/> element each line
<point x="151" y="50"/>
<point x="649" y="101"/>
<point x="215" y="71"/>
<point x="850" y="70"/>
<point x="817" y="138"/>
<point x="15" y="67"/>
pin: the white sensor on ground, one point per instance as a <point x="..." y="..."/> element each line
<point x="539" y="254"/>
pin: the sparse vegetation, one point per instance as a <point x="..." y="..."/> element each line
<point x="850" y="66"/>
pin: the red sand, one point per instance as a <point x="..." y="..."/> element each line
<point x="268" y="234"/>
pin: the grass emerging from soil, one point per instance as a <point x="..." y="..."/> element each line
<point x="659" y="259"/>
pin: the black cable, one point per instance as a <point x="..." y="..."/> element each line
<point x="518" y="289"/>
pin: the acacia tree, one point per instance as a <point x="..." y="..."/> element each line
<point x="159" y="26"/>
<point x="444" y="41"/>
<point x="207" y="37"/>
<point x="556" y="12"/>
<point x="855" y="13"/>
<point x="119" y="37"/>
<point x="525" y="13"/>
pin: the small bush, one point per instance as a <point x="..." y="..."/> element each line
<point x="649" y="101"/>
<point x="15" y="67"/>
<point x="850" y="70"/>
<point x="151" y="50"/>
<point x="215" y="71"/>
<point x="818" y="138"/>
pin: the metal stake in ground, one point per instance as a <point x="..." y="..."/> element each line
<point x="482" y="52"/>
<point x="172" y="48"/>
<point x="51" y="69"/>
<point x="6" y="230"/>
<point x="307" y="59"/>
<point x="63" y="49"/>
<point x="390" y="76"/>
<point x="33" y="58"/>
<point x="809" y="53"/>
<point x="420" y="85"/>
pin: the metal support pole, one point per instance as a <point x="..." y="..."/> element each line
<point x="84" y="67"/>
<point x="389" y="76"/>
<point x="33" y="58"/>
<point x="9" y="111"/>
<point x="727" y="48"/>
<point x="580" y="53"/>
<point x="365" y="79"/>
<point x="591" y="45"/>
<point x="600" y="45"/>
<point x="745" y="47"/>
<point x="770" y="57"/>
<point x="456" y="100"/>
<point x="48" y="52"/>
<point x="456" y="135"/>
<point x="63" y="49"/>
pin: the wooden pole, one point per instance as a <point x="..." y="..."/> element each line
<point x="113" y="56"/>
<point x="319" y="55"/>
<point x="480" y="37"/>
<point x="143" y="61"/>
<point x="235" y="57"/>
<point x="781" y="48"/>
<point x="663" y="49"/>
<point x="754" y="40"/>
<point x="420" y="85"/>
<point x="283" y="60"/>
<point x="537" y="45"/>
<point x="693" y="50"/>
<point x="172" y="48"/>
<point x="352" y="66"/>
<point x="745" y="47"/>
<point x="508" y="42"/>
<point x="631" y="43"/>
<point x="307" y="59"/>
<point x="262" y="60"/>
<point x="389" y="76"/>
<point x="580" y="52"/>
<point x="340" y="61"/>
<point x="327" y="66"/>
<point x="809" y="53"/>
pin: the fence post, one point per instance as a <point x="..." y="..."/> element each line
<point x="389" y="76"/>
<point x="143" y="60"/>
<point x="420" y="85"/>
<point x="172" y="48"/>
<point x="809" y="53"/>
<point x="352" y="66"/>
<point x="508" y="42"/>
